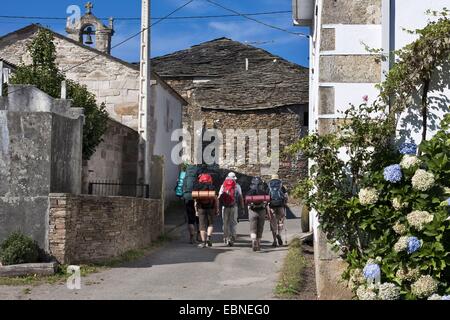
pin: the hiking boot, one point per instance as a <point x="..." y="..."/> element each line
<point x="254" y="245"/>
<point x="202" y="245"/>
<point x="209" y="242"/>
<point x="280" y="241"/>
<point x="225" y="241"/>
<point x="231" y="241"/>
<point x="274" y="244"/>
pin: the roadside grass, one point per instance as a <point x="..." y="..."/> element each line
<point x="61" y="274"/>
<point x="291" y="281"/>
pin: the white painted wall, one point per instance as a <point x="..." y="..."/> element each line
<point x="350" y="93"/>
<point x="168" y="116"/>
<point x="411" y="17"/>
<point x="350" y="39"/>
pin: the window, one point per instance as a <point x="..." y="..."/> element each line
<point x="306" y="119"/>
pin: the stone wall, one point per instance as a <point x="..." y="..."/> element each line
<point x="85" y="229"/>
<point x="40" y="152"/>
<point x="351" y="12"/>
<point x="350" y="69"/>
<point x="289" y="122"/>
<point x="115" y="158"/>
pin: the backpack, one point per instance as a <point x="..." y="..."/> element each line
<point x="179" y="188"/>
<point x="189" y="182"/>
<point x="228" y="196"/>
<point x="257" y="188"/>
<point x="205" y="183"/>
<point x="277" y="198"/>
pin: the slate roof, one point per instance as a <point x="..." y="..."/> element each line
<point x="265" y="85"/>
<point x="8" y="64"/>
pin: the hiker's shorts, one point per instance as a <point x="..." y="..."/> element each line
<point x="206" y="218"/>
<point x="257" y="219"/>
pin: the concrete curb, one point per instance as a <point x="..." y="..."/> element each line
<point x="26" y="269"/>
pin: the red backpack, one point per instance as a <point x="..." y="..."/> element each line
<point x="205" y="178"/>
<point x="228" y="196"/>
<point x="205" y="183"/>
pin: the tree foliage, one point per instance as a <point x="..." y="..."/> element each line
<point x="45" y="75"/>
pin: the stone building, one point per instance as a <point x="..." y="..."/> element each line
<point x="342" y="71"/>
<point x="114" y="82"/>
<point x="231" y="85"/>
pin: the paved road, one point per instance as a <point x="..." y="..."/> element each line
<point x="182" y="271"/>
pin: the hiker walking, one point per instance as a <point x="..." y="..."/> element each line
<point x="278" y="200"/>
<point x="257" y="199"/>
<point x="206" y="206"/>
<point x="185" y="185"/>
<point x="230" y="195"/>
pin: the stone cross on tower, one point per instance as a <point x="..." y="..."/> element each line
<point x="89" y="6"/>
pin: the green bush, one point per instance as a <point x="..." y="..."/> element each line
<point x="17" y="249"/>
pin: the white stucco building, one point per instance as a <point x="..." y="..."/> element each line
<point x="342" y="71"/>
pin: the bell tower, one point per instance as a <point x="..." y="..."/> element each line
<point x="88" y="28"/>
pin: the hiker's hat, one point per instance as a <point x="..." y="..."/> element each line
<point x="275" y="177"/>
<point x="231" y="175"/>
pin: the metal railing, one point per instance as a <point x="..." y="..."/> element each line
<point x="115" y="188"/>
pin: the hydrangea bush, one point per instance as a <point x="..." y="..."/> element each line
<point x="386" y="210"/>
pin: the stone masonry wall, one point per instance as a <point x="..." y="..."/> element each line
<point x="115" y="158"/>
<point x="289" y="122"/>
<point x="85" y="229"/>
<point x="40" y="152"/>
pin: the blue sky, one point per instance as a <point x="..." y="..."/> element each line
<point x="173" y="35"/>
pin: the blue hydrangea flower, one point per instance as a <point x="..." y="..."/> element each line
<point x="408" y="148"/>
<point x="414" y="244"/>
<point x="393" y="173"/>
<point x="372" y="271"/>
<point x="445" y="297"/>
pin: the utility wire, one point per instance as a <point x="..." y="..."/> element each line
<point x="156" y="18"/>
<point x="126" y="40"/>
<point x="132" y="36"/>
<point x="256" y="20"/>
